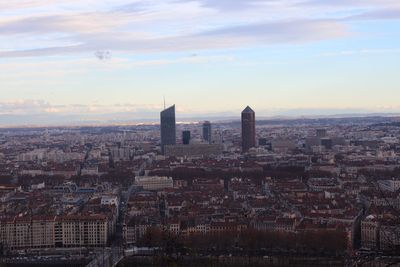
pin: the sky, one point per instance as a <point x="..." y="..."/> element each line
<point x="64" y="60"/>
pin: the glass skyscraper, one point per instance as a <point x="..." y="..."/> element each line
<point x="168" y="127"/>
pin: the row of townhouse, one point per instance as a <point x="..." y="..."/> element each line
<point x="59" y="231"/>
<point x="274" y="224"/>
<point x="135" y="229"/>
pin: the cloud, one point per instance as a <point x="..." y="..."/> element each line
<point x="42" y="107"/>
<point x="349" y="3"/>
<point x="286" y="32"/>
<point x="23" y="4"/>
<point x="381" y="14"/>
<point x="360" y="52"/>
<point x="67" y="24"/>
<point x="23" y="107"/>
<point x="231" y="4"/>
<point x="177" y="25"/>
<point x="283" y="32"/>
<point x="133" y="7"/>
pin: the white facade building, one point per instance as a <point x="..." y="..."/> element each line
<point x="154" y="182"/>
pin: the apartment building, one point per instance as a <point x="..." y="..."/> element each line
<point x="59" y="231"/>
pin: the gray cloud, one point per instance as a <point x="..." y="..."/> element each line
<point x="103" y="55"/>
<point x="382" y="14"/>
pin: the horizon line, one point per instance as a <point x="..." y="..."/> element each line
<point x="196" y="119"/>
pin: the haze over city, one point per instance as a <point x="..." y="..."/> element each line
<point x="72" y="61"/>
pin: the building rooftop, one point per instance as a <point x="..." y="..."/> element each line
<point x="248" y="110"/>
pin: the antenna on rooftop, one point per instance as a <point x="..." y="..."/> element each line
<point x="164" y="103"/>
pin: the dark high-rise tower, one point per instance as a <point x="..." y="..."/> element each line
<point x="207" y="131"/>
<point x="168" y="127"/>
<point x="321" y="133"/>
<point x="186" y="137"/>
<point x="248" y="129"/>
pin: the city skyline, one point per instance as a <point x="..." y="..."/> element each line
<point x="89" y="59"/>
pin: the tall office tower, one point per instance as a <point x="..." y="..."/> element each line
<point x="248" y="129"/>
<point x="168" y="127"/>
<point x="207" y="131"/>
<point x="186" y="137"/>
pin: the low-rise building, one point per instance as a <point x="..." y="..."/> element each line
<point x="154" y="182"/>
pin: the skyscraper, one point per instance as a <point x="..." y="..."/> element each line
<point x="207" y="131"/>
<point x="186" y="137"/>
<point x="248" y="129"/>
<point x="168" y="127"/>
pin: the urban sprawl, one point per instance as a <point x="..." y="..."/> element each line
<point x="305" y="186"/>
